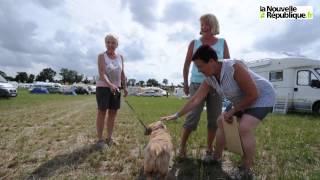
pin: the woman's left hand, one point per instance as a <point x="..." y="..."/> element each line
<point x="228" y="116"/>
<point x="168" y="118"/>
<point x="125" y="93"/>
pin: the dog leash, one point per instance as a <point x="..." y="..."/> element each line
<point x="134" y="112"/>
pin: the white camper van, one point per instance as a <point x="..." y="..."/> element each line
<point x="297" y="80"/>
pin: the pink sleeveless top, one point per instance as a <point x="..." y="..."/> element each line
<point x="113" y="71"/>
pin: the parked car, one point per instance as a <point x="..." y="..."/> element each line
<point x="7" y="89"/>
<point x="53" y="90"/>
<point x="150" y="94"/>
<point x="92" y="89"/>
<point x="81" y="90"/>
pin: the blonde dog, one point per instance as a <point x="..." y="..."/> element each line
<point x="158" y="151"/>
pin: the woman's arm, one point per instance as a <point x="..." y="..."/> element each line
<point x="226" y="54"/>
<point x="247" y="86"/>
<point x="123" y="79"/>
<point x="194" y="101"/>
<point x="186" y="68"/>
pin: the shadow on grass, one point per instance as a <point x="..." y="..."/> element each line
<point x="191" y="169"/>
<point x="64" y="160"/>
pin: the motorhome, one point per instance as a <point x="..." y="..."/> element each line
<point x="296" y="81"/>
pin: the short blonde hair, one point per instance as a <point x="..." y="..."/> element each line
<point x="212" y="21"/>
<point x="111" y="37"/>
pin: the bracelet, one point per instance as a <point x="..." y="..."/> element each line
<point x="176" y="115"/>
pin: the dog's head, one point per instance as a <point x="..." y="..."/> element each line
<point x="155" y="126"/>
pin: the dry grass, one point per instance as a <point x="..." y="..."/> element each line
<point x="54" y="139"/>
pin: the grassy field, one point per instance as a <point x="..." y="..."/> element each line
<point x="52" y="136"/>
<point x="288" y="146"/>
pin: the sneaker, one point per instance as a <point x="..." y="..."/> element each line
<point x="181" y="155"/>
<point x="208" y="157"/>
<point x="246" y="174"/>
<point x="110" y="142"/>
<point x="242" y="173"/>
<point x="100" y="144"/>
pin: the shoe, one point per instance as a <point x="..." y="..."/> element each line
<point x="111" y="142"/>
<point x="246" y="174"/>
<point x="208" y="157"/>
<point x="182" y="155"/>
<point x="242" y="173"/>
<point x="100" y="144"/>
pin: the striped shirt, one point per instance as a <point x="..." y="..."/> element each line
<point x="229" y="88"/>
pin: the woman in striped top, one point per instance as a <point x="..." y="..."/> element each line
<point x="251" y="95"/>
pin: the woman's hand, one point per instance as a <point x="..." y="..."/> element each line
<point x="169" y="118"/>
<point x="113" y="88"/>
<point x="125" y="92"/>
<point x="228" y="115"/>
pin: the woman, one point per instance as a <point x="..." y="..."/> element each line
<point x="251" y="95"/>
<point x="209" y="30"/>
<point x="111" y="75"/>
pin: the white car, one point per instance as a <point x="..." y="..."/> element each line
<point x="7" y="89"/>
<point x="150" y="94"/>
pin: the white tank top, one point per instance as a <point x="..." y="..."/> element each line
<point x="113" y="70"/>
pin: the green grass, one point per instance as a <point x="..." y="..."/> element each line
<point x="51" y="136"/>
<point x="288" y="146"/>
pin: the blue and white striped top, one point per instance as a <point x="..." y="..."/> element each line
<point x="229" y="88"/>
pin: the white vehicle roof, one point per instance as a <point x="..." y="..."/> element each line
<point x="283" y="63"/>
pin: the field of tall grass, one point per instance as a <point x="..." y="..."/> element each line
<point x="52" y="136"/>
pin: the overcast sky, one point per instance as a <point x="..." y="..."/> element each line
<point x="153" y="34"/>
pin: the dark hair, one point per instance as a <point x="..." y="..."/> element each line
<point x="205" y="53"/>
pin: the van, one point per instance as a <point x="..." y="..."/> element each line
<point x="296" y="80"/>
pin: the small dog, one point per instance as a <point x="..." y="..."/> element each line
<point x="158" y="151"/>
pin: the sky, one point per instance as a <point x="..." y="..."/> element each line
<point x="153" y="35"/>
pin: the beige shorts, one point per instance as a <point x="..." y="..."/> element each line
<point x="213" y="103"/>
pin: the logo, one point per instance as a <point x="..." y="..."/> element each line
<point x="286" y="12"/>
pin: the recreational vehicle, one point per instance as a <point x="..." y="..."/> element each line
<point x="296" y="81"/>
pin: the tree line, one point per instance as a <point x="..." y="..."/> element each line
<point x="71" y="76"/>
<point x="47" y="74"/>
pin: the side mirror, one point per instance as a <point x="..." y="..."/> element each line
<point x="315" y="83"/>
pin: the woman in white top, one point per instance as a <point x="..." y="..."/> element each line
<point x="111" y="77"/>
<point x="251" y="95"/>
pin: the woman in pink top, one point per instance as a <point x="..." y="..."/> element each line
<point x="111" y="75"/>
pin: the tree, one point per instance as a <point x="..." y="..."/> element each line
<point x="131" y="82"/>
<point x="30" y="78"/>
<point x="78" y="77"/>
<point x="141" y="83"/>
<point x="46" y="74"/>
<point x="152" y="82"/>
<point x="86" y="81"/>
<point x="165" y="81"/>
<point x="21" y="77"/>
<point x="70" y="76"/>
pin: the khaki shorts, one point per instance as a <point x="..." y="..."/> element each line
<point x="214" y="107"/>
